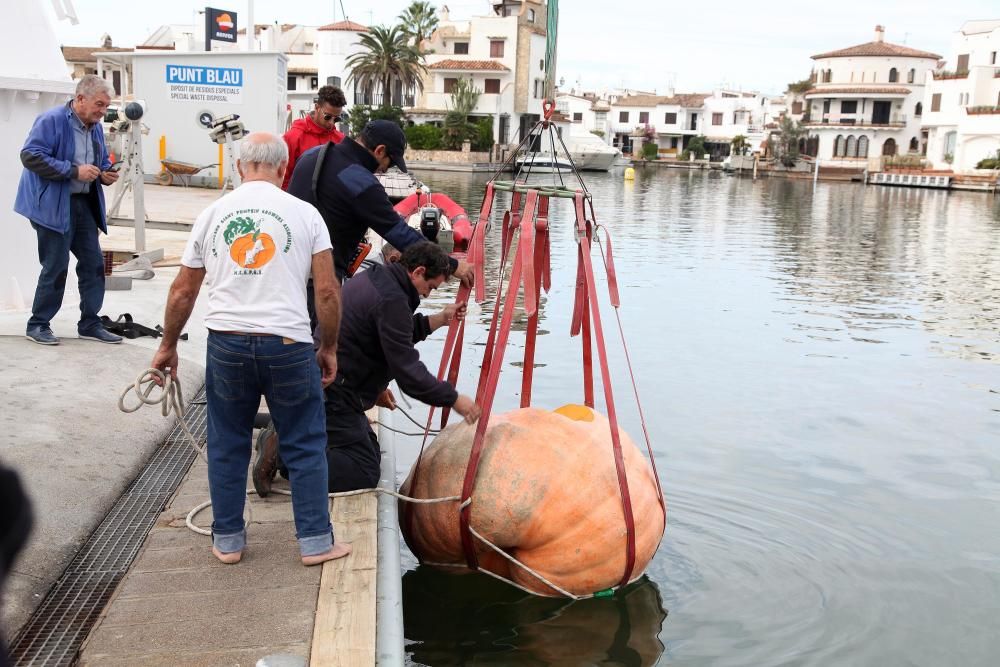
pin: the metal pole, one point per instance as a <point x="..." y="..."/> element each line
<point x="816" y="171"/>
<point x="137" y="173"/>
<point x="251" y="29"/>
<point x="389" y="583"/>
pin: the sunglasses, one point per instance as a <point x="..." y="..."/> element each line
<point x="329" y="116"/>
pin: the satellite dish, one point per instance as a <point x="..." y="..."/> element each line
<point x="206" y="119"/>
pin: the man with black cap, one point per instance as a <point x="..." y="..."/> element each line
<point x="340" y="181"/>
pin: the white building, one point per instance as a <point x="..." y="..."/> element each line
<point x="671" y="119"/>
<point x="729" y="114"/>
<point x="338" y="42"/>
<point x="502" y="54"/>
<point x="585" y="112"/>
<point x="299" y="43"/>
<point x="867" y="102"/>
<point x="962" y="101"/>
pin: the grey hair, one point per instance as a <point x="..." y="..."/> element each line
<point x="91" y="85"/>
<point x="263" y="149"/>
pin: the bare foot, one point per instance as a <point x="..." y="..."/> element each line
<point x="230" y="558"/>
<point x="338" y="550"/>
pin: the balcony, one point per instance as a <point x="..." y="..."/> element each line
<point x="856" y="119"/>
<point x="375" y="99"/>
<point x="960" y="74"/>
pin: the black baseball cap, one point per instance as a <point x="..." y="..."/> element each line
<point x="388" y="134"/>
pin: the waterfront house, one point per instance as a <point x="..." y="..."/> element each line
<point x="867" y="102"/>
<point x="502" y="54"/>
<point x="962" y="100"/>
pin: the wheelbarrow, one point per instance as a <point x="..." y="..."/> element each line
<point x="182" y="170"/>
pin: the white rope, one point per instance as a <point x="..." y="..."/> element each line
<point x="172" y="400"/>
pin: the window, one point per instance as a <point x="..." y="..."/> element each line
<point x="963" y="63"/>
<point x="492" y="86"/>
<point x="449" y="85"/>
<point x="643" y="117"/>
<point x="796" y="108"/>
<point x="292" y="80"/>
<point x="852" y="146"/>
<point x="461" y="49"/>
<point x="716" y="119"/>
<point x="496" y="48"/>
<point x="670" y="118"/>
<point x="541" y="64"/>
<point x="863" y="146"/>
<point x="936" y="102"/>
<point x="839" y="146"/>
<point x="577" y="116"/>
<point x="314" y="82"/>
<point x="914" y="145"/>
<point x="849" y="106"/>
<point x="623" y="116"/>
<point x="993" y="58"/>
<point x="918" y="110"/>
<point x="893" y="75"/>
<point x="531" y="15"/>
<point x="911" y="76"/>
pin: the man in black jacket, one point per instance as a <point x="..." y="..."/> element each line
<point x="378" y="330"/>
<point x="349" y="197"/>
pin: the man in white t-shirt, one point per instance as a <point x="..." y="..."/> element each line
<point x="256" y="247"/>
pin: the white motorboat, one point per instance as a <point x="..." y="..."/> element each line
<point x="589" y="151"/>
<point x="542" y="163"/>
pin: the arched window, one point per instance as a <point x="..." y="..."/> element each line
<point x="829" y="75"/>
<point x="863" y="146"/>
<point x="852" y="146"/>
<point x="889" y="147"/>
<point x="919" y="109"/>
<point x="914" y="145"/>
<point x="911" y="75"/>
<point x="893" y="75"/>
<point x="838" y="146"/>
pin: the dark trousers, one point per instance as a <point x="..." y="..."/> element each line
<point x="352" y="450"/>
<point x="353" y="456"/>
<point x="53" y="254"/>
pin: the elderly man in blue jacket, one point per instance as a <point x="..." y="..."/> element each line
<point x="65" y="162"/>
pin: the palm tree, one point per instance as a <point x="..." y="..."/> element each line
<point x="419" y="20"/>
<point x="387" y="56"/>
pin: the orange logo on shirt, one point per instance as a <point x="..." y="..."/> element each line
<point x="249" y="247"/>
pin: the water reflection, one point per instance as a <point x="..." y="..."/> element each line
<point x="458" y="619"/>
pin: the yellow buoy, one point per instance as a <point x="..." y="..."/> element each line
<point x="630" y="174"/>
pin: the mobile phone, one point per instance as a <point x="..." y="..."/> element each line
<point x="116" y="166"/>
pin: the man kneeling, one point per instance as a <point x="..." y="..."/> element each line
<point x="378" y="330"/>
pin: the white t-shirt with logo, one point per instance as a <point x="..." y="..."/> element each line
<point x="256" y="246"/>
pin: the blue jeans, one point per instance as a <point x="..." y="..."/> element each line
<point x="240" y="368"/>
<point x="53" y="254"/>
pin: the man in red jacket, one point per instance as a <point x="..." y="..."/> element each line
<point x="315" y="129"/>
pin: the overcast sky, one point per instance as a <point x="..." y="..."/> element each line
<point x="639" y="44"/>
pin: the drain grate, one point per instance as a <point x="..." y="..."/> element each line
<point x="60" y="624"/>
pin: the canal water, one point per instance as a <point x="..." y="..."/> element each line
<point x="819" y="370"/>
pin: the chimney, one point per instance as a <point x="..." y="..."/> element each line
<point x="879" y="33"/>
<point x="106" y="41"/>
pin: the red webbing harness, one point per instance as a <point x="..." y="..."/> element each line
<point x="527" y="220"/>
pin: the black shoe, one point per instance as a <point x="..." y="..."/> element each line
<point x="266" y="464"/>
<point x="101" y="335"/>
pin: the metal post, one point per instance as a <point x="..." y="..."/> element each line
<point x="137" y="173"/>
<point x="251" y="29"/>
<point x="389" y="584"/>
<point x="816" y="171"/>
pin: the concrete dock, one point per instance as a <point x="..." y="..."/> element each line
<point x="76" y="454"/>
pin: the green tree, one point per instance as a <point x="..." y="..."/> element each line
<point x="424" y="137"/>
<point x="739" y="145"/>
<point x="786" y="147"/>
<point x="457" y="127"/>
<point x="419" y="21"/>
<point x="799" y="87"/>
<point x="386" y="57"/>
<point x="360" y="114"/>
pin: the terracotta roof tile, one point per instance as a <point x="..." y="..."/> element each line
<point x="687" y="100"/>
<point x="887" y="90"/>
<point x="470" y="65"/>
<point x="877" y="49"/>
<point x="348" y="26"/>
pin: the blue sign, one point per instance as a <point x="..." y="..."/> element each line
<point x="205" y="76"/>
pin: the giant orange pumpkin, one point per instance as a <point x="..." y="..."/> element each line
<point x="546" y="493"/>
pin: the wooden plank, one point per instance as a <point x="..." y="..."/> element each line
<point x="344" y="633"/>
